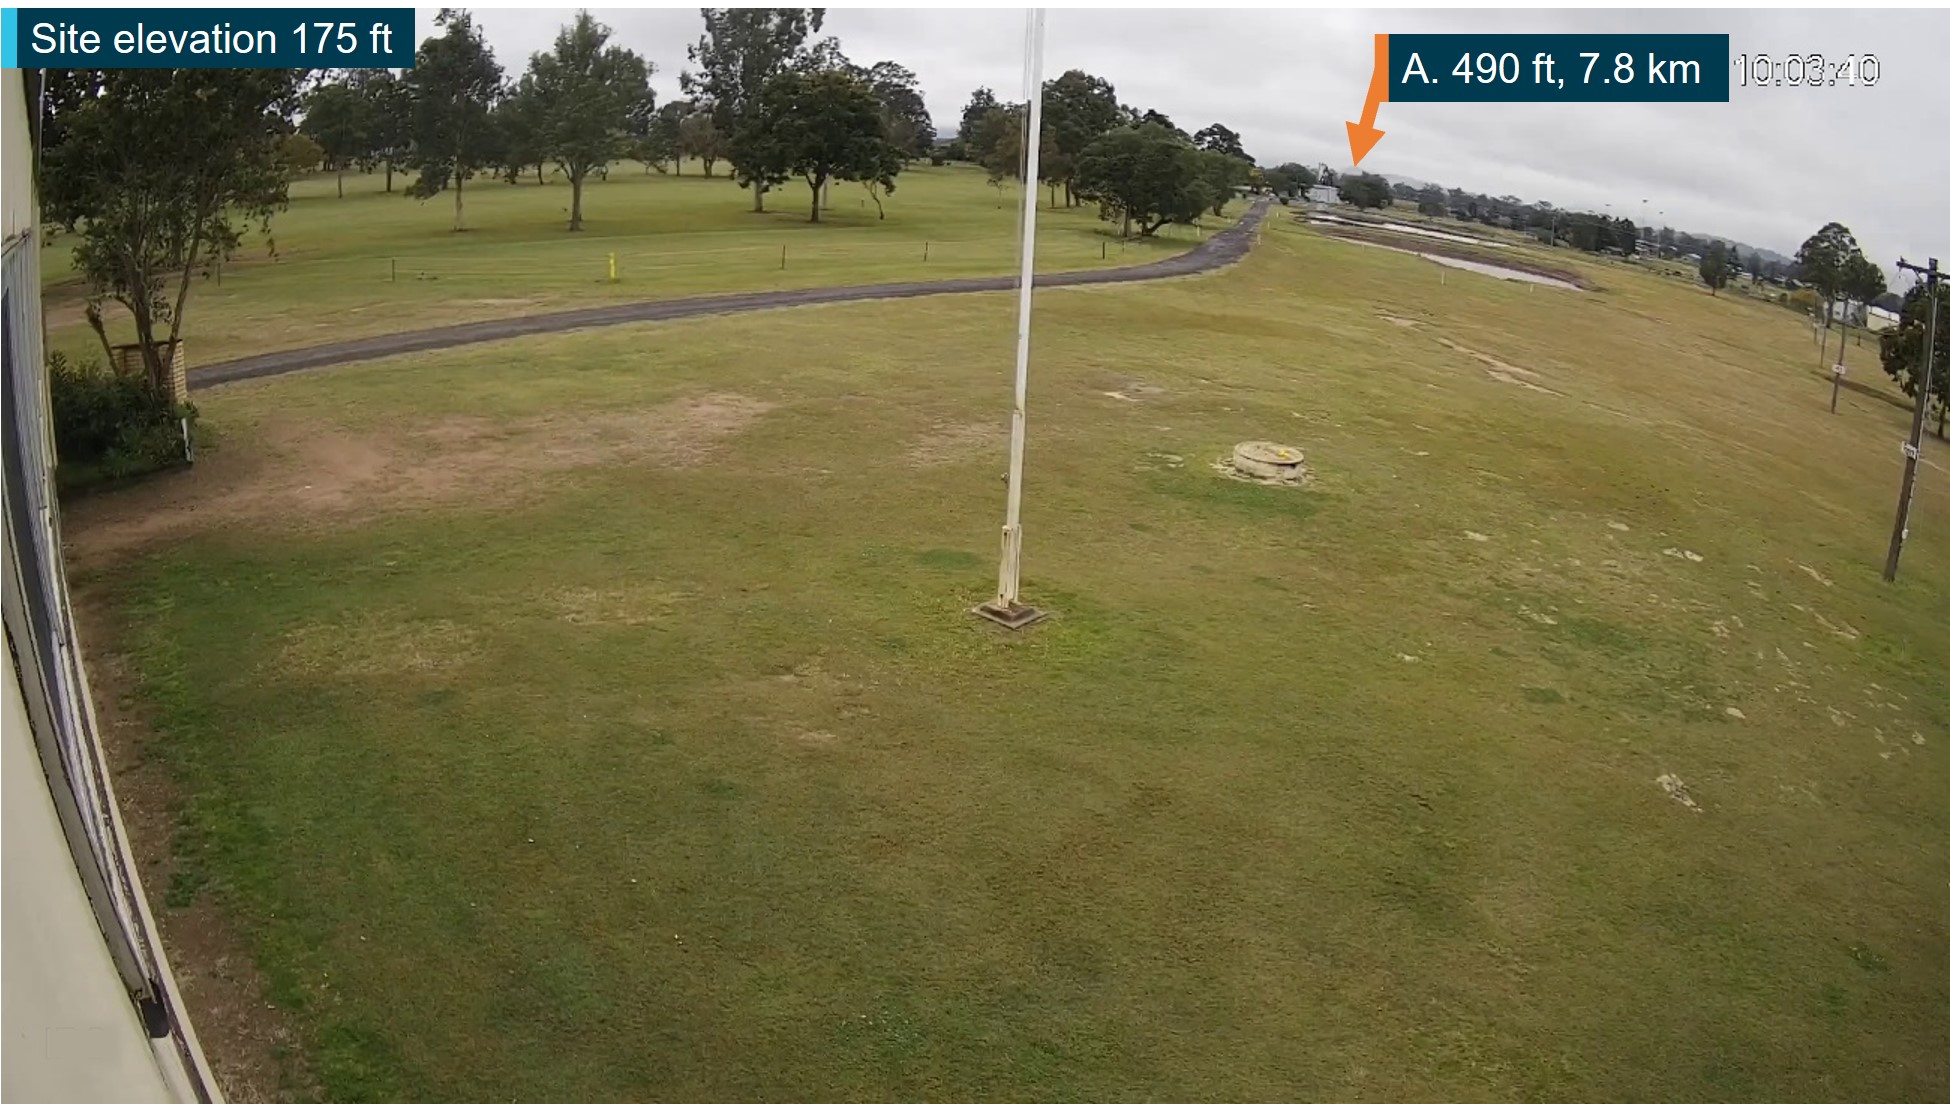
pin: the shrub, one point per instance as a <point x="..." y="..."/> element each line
<point x="109" y="426"/>
<point x="1804" y="300"/>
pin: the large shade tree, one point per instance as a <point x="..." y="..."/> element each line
<point x="1290" y="180"/>
<point x="589" y="96"/>
<point x="980" y="103"/>
<point x="1147" y="175"/>
<point x="658" y="143"/>
<point x="698" y="136"/>
<point x="1078" y="109"/>
<point x="1367" y="190"/>
<point x="455" y="82"/>
<point x="388" y="116"/>
<point x="1862" y="280"/>
<point x="517" y="139"/>
<point x="336" y="118"/>
<point x="904" y="110"/>
<point x="163" y="171"/>
<point x="1823" y="259"/>
<point x="1224" y="175"/>
<point x="1219" y="138"/>
<point x="742" y="49"/>
<point x="820" y="126"/>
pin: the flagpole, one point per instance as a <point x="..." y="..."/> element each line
<point x="1005" y="608"/>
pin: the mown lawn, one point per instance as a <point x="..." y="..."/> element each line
<point x="599" y="718"/>
<point x="374" y="262"/>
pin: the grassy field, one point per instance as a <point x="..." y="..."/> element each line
<point x="599" y="717"/>
<point x="378" y="263"/>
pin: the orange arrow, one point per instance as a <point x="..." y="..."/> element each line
<point x="1362" y="136"/>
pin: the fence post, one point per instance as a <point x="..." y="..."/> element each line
<point x="1103" y="251"/>
<point x="612" y="268"/>
<point x="782" y="258"/>
<point x="395" y="275"/>
<point x="925" y="246"/>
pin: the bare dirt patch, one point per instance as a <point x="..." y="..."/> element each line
<point x="1676" y="789"/>
<point x="951" y="442"/>
<point x="642" y="604"/>
<point x="1133" y="391"/>
<point x="291" y="473"/>
<point x="501" y="303"/>
<point x="1404" y="323"/>
<point x="1500" y="370"/>
<point x="376" y="645"/>
<point x="1815" y="575"/>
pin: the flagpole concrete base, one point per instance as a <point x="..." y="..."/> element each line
<point x="1013" y="616"/>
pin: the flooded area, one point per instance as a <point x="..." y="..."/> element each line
<point x="1499" y="271"/>
<point x="1416" y="231"/>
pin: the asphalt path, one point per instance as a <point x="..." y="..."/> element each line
<point x="1221" y="249"/>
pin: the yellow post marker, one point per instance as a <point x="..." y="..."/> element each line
<point x="612" y="268"/>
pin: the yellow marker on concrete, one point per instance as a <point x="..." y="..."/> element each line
<point x="612" y="268"/>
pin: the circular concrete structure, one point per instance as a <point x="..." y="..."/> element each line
<point x="1269" y="462"/>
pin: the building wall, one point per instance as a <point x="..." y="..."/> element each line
<point x="89" y="1008"/>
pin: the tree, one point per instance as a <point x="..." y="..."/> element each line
<point x="335" y="118"/>
<point x="300" y="154"/>
<point x="1223" y="173"/>
<point x="1077" y="110"/>
<point x="698" y="136"/>
<point x="980" y="103"/>
<point x="455" y="82"/>
<point x="1366" y="191"/>
<point x="903" y="110"/>
<point x="820" y="126"/>
<point x="163" y="169"/>
<point x="1713" y="267"/>
<point x="389" y="119"/>
<point x="1000" y="140"/>
<point x="1159" y="118"/>
<point x="742" y="49"/>
<point x="587" y="94"/>
<point x="1902" y="349"/>
<point x="1862" y="280"/>
<point x="1219" y="138"/>
<point x="1756" y="268"/>
<point x="1147" y="174"/>
<point x="1822" y="259"/>
<point x="1290" y="180"/>
<point x="659" y="141"/>
<point x="517" y="139"/>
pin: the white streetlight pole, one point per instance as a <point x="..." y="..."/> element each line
<point x="1004" y="607"/>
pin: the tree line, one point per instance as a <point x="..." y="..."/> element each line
<point x="1138" y="166"/>
<point x="762" y="98"/>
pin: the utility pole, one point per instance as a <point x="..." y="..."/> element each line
<point x="1913" y="450"/>
<point x="1004" y="609"/>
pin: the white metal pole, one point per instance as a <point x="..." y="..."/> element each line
<point x="1010" y="575"/>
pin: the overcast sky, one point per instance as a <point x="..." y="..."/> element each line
<point x="1767" y="168"/>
